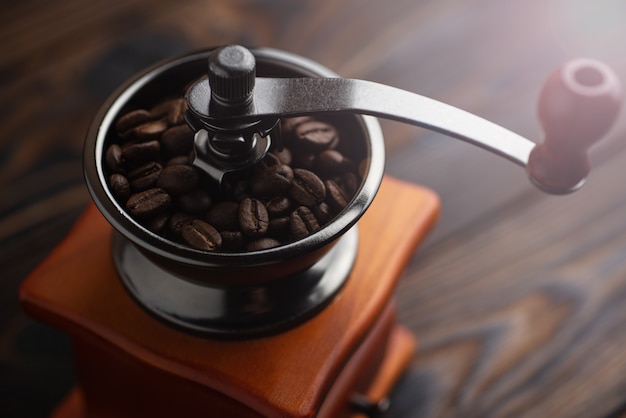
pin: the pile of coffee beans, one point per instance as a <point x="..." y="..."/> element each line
<point x="291" y="193"/>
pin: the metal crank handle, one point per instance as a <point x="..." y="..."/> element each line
<point x="578" y="104"/>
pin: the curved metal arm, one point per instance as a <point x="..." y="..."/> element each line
<point x="285" y="97"/>
<point x="578" y="104"/>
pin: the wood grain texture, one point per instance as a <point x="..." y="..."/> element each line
<point x="127" y="359"/>
<point x="517" y="296"/>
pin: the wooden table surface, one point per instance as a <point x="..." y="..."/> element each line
<point x="518" y="298"/>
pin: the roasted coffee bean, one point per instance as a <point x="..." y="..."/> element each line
<point x="178" y="220"/>
<point x="362" y="168"/>
<point x="176" y="114"/>
<point x="196" y="201"/>
<point x="283" y="155"/>
<point x="349" y="183"/>
<point x="168" y="106"/>
<point x="178" y="179"/>
<point x="232" y="240"/>
<point x="148" y="203"/>
<point x="147" y="131"/>
<point x="272" y="181"/>
<point x="307" y="188"/>
<point x="335" y="196"/>
<point x="132" y="119"/>
<point x="279" y="205"/>
<point x="201" y="235"/>
<point x="259" y="169"/>
<point x="322" y="213"/>
<point x="145" y="176"/>
<point x="288" y="125"/>
<point x="269" y="160"/>
<point x="304" y="160"/>
<point x="278" y="227"/>
<point x="113" y="159"/>
<point x="261" y="244"/>
<point x="120" y="187"/>
<point x="240" y="190"/>
<point x="331" y="162"/>
<point x="315" y="136"/>
<point x="253" y="218"/>
<point x="177" y="140"/>
<point x="309" y="173"/>
<point x="162" y="108"/>
<point x="159" y="222"/>
<point x="141" y="152"/>
<point x="303" y="223"/>
<point x="224" y="216"/>
<point x="180" y="159"/>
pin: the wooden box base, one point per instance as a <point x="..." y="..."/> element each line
<point x="131" y="365"/>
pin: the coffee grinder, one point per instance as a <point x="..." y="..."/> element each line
<point x="300" y="330"/>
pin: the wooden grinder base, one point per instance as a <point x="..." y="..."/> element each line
<point x="130" y="365"/>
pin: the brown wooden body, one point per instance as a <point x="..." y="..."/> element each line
<point x="130" y="365"/>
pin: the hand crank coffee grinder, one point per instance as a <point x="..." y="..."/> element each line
<point x="299" y="327"/>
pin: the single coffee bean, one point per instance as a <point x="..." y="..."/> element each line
<point x="260" y="167"/>
<point x="303" y="159"/>
<point x="145" y="176"/>
<point x="113" y="159"/>
<point x="148" y="203"/>
<point x="201" y="235"/>
<point x="148" y="131"/>
<point x="164" y="107"/>
<point x="349" y="183"/>
<point x="316" y="136"/>
<point x="322" y="212"/>
<point x="269" y="160"/>
<point x="178" y="220"/>
<point x="180" y="159"/>
<point x="363" y="167"/>
<point x="240" y="190"/>
<point x="178" y="179"/>
<point x="232" y="240"/>
<point x="335" y="196"/>
<point x="261" y="244"/>
<point x="176" y="114"/>
<point x="159" y="222"/>
<point x="132" y="119"/>
<point x="120" y="187"/>
<point x="279" y="205"/>
<point x="224" y="216"/>
<point x="331" y="162"/>
<point x="141" y="152"/>
<point x="272" y="181"/>
<point x="177" y="140"/>
<point x="253" y="218"/>
<point x="279" y="227"/>
<point x="288" y="125"/>
<point x="196" y="201"/>
<point x="307" y="188"/>
<point x="283" y="155"/>
<point x="303" y="223"/>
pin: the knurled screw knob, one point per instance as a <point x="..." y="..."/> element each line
<point x="232" y="72"/>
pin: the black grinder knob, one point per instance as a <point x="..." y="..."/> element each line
<point x="225" y="144"/>
<point x="232" y="72"/>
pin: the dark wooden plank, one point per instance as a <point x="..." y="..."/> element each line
<point x="515" y="296"/>
<point x="522" y="314"/>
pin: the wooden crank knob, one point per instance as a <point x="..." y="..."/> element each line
<point x="577" y="106"/>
